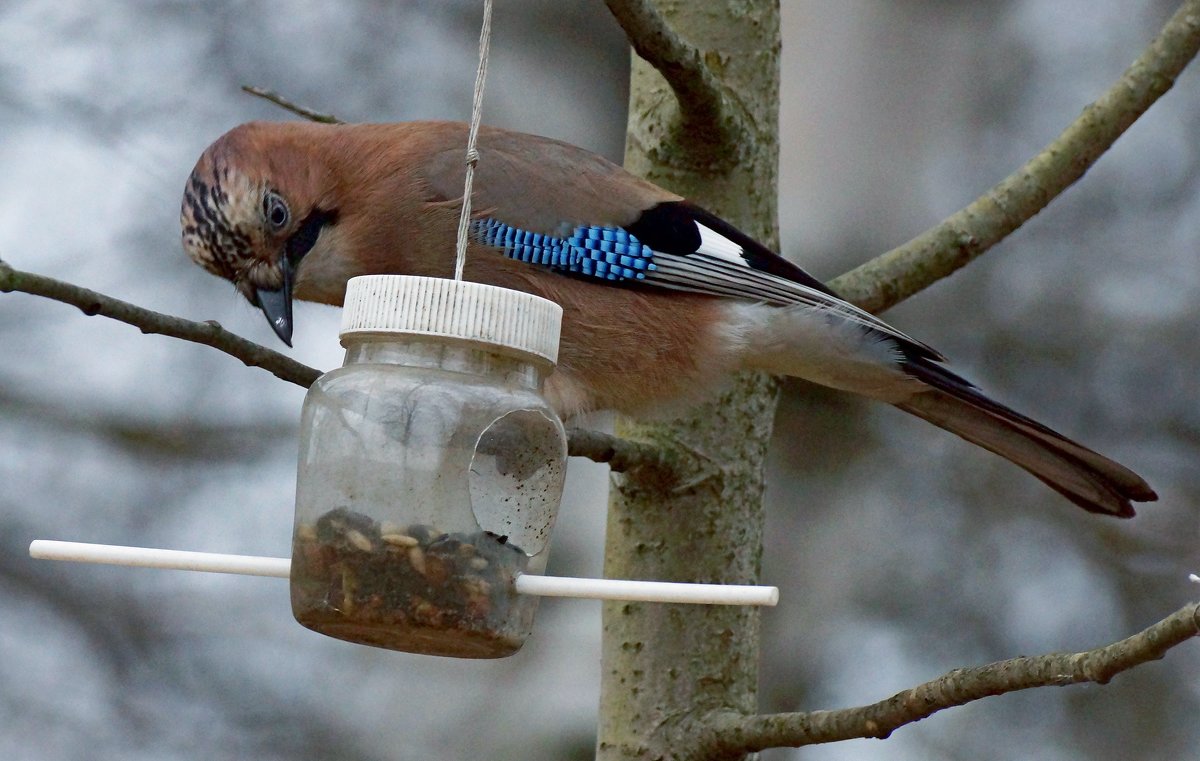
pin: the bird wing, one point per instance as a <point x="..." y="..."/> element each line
<point x="552" y="204"/>
<point x="537" y="183"/>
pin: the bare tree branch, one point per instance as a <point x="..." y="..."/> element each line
<point x="287" y="105"/>
<point x="620" y="454"/>
<point x="650" y="464"/>
<point x="960" y="238"/>
<point x="706" y="107"/>
<point x="209" y="333"/>
<point x="732" y="734"/>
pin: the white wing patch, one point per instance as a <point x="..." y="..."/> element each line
<point x="712" y="243"/>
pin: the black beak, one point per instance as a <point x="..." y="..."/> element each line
<point x="277" y="304"/>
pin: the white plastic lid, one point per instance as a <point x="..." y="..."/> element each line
<point x="500" y="318"/>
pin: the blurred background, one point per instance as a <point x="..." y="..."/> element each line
<point x="901" y="551"/>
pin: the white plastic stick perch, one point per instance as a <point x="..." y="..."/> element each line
<point x="529" y="584"/>
<point x="647" y="591"/>
<point x="146" y="557"/>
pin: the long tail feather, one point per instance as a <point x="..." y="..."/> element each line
<point x="1088" y="479"/>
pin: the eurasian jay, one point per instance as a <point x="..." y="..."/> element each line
<point x="661" y="299"/>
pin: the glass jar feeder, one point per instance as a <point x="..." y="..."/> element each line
<point x="430" y="470"/>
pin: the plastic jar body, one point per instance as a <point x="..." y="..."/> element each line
<point x="430" y="474"/>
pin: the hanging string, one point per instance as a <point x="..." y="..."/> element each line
<point x="464" y="221"/>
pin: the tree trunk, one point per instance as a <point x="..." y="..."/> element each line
<point x="667" y="667"/>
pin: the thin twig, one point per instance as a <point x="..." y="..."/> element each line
<point x="621" y="455"/>
<point x="732" y="734"/>
<point x="960" y="238"/>
<point x="288" y="105"/>
<point x="209" y="333"/>
<point x="705" y="107"/>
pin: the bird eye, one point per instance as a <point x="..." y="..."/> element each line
<point x="275" y="209"/>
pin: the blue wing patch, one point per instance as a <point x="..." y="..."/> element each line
<point x="605" y="253"/>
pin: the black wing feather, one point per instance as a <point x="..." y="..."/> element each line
<point x="756" y="254"/>
<point x="673" y="230"/>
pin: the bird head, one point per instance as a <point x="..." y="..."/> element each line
<point x="252" y="211"/>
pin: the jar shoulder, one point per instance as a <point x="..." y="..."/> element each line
<point x="403" y="385"/>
